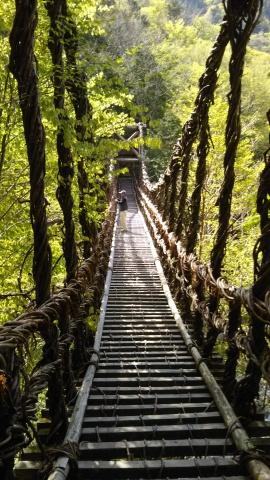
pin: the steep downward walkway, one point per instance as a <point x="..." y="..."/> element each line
<point x="149" y="414"/>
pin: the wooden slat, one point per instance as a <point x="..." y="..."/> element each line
<point x="153" y="419"/>
<point x="214" y="430"/>
<point x="143" y="409"/>
<point x="155" y="448"/>
<point x="135" y="469"/>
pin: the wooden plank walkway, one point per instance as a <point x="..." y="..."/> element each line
<point x="149" y="414"/>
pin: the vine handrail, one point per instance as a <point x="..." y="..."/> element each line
<point x="60" y="326"/>
<point x="200" y="289"/>
<point x="179" y="265"/>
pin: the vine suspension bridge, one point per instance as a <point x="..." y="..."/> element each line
<point x="147" y="396"/>
<point x="150" y="411"/>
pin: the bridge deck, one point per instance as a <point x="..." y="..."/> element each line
<point x="149" y="414"/>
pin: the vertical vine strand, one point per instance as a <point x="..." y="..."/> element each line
<point x="205" y="99"/>
<point x="63" y="378"/>
<point x="65" y="160"/>
<point x="249" y="387"/>
<point x="242" y="19"/>
<point x="76" y="85"/>
<point x="23" y="66"/>
<point x="182" y="149"/>
<point x="234" y="322"/>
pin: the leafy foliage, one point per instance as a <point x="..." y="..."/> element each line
<point x="109" y="101"/>
<point x="177" y="38"/>
<point x="141" y="60"/>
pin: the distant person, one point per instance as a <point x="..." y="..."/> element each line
<point x="123" y="205"/>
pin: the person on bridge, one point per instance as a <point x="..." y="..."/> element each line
<point x="123" y="205"/>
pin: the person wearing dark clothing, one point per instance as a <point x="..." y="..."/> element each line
<point x="123" y="206"/>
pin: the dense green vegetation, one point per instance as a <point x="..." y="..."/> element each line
<point x="109" y="100"/>
<point x="163" y="56"/>
<point x="141" y="60"/>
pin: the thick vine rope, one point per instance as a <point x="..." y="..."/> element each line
<point x="195" y="125"/>
<point x="18" y="393"/>
<point x="259" y="364"/>
<point x="205" y="98"/>
<point x="262" y="267"/>
<point x="77" y="87"/>
<point x="242" y="18"/>
<point x="65" y="160"/>
<point x="23" y="66"/>
<point x="179" y="266"/>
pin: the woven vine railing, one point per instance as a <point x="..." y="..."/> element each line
<point x="59" y="330"/>
<point x="46" y="350"/>
<point x="173" y="216"/>
<point x="179" y="267"/>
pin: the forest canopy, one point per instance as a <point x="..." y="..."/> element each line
<point x="132" y="60"/>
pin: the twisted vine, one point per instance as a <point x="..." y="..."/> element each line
<point x="179" y="266"/>
<point x="198" y="123"/>
<point x="65" y="160"/>
<point x="249" y="387"/>
<point x="77" y="88"/>
<point x="204" y="100"/>
<point x="242" y="19"/>
<point x="18" y="399"/>
<point x="23" y="66"/>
